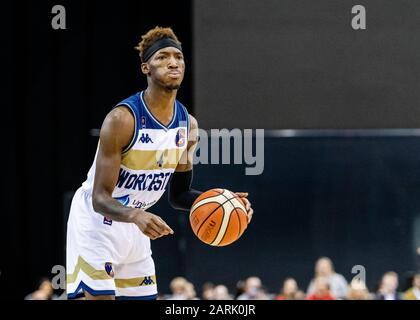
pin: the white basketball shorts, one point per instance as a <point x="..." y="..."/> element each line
<point x="106" y="257"/>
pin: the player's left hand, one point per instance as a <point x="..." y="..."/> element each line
<point x="243" y="196"/>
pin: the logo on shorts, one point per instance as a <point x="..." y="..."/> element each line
<point x="147" y="281"/>
<point x="108" y="269"/>
<point x="107" y="221"/>
<point x="180" y="138"/>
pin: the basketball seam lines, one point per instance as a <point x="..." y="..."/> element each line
<point x="230" y="217"/>
<point x="237" y="214"/>
<point x="234" y="196"/>
<point x="219" y="193"/>
<point x="221" y="205"/>
<point x="192" y="214"/>
<point x="240" y="224"/>
<point x="220" y="227"/>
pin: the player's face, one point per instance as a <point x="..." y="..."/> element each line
<point x="166" y="67"/>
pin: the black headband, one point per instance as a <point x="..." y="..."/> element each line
<point x="162" y="43"/>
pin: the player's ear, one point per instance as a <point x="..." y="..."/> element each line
<point x="145" y="68"/>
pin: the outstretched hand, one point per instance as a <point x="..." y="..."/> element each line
<point x="152" y="225"/>
<point x="243" y="196"/>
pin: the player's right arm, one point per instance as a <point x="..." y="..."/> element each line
<point x="116" y="133"/>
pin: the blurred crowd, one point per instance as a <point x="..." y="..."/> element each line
<point x="326" y="284"/>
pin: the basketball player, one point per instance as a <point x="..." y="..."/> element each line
<point x="146" y="142"/>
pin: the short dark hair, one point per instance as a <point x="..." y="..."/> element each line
<point x="152" y="36"/>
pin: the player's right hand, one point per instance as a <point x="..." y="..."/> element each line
<point x="152" y="225"/>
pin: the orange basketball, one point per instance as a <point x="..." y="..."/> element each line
<point x="218" y="217"/>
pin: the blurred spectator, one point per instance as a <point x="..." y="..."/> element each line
<point x="414" y="292"/>
<point x="221" y="292"/>
<point x="290" y="291"/>
<point x="358" y="291"/>
<point x="321" y="290"/>
<point x="178" y="288"/>
<point x="240" y="288"/>
<point x="388" y="287"/>
<point x="45" y="291"/>
<point x="207" y="291"/>
<point x="189" y="291"/>
<point x="253" y="290"/>
<point x="337" y="283"/>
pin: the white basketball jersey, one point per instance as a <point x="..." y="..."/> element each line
<point x="151" y="158"/>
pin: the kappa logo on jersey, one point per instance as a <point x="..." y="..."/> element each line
<point x="108" y="269"/>
<point x="180" y="138"/>
<point x="145" y="138"/>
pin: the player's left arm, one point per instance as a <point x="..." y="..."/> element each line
<point x="181" y="195"/>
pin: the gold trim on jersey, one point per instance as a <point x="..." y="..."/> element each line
<point x="152" y="159"/>
<point x="135" y="282"/>
<point x="89" y="270"/>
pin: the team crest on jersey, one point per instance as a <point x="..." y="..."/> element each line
<point x="143" y="122"/>
<point x="109" y="269"/>
<point x="180" y="137"/>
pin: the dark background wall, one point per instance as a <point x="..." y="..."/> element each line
<point x="299" y="64"/>
<point x="352" y="199"/>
